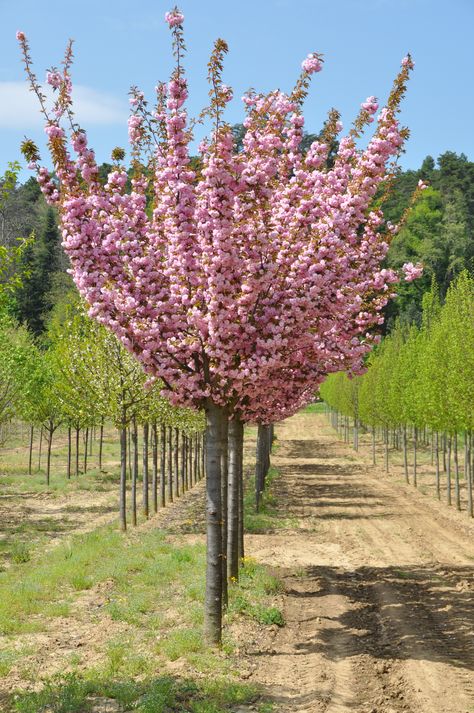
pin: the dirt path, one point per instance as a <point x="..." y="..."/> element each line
<point x="380" y="587"/>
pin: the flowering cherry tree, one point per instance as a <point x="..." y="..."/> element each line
<point x="239" y="278"/>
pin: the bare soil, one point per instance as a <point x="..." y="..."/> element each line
<point x="379" y="602"/>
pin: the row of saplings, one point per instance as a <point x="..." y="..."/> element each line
<point x="418" y="391"/>
<point x="82" y="378"/>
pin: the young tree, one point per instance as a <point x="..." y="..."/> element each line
<point x="256" y="274"/>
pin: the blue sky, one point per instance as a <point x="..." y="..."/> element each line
<point x="363" y="42"/>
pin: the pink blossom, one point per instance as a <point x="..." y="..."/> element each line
<point x="20" y="36"/>
<point x="227" y="92"/>
<point x="313" y="63"/>
<point x="174" y="18"/>
<point x="250" y="279"/>
<point x="411" y="271"/>
<point x="422" y="185"/>
<point x="134" y="128"/>
<point x="54" y="79"/>
<point x="370" y="105"/>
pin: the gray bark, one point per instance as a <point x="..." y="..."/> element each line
<point x="456" y="472"/>
<point x="170" y="464"/>
<point x="163" y="466"/>
<point x="123" y="477"/>
<point x="215" y="416"/>
<point x="146" y="506"/>
<point x="154" y="473"/>
<point x="236" y="438"/>
<point x="405" y="454"/>
<point x="134" y="471"/>
<point x="176" y="462"/>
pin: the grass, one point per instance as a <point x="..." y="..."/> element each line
<point x="22" y="534"/>
<point x="164" y="694"/>
<point x="156" y="587"/>
<point x="152" y="590"/>
<point x="317" y="407"/>
<point x="250" y="597"/>
<point x="269" y="517"/>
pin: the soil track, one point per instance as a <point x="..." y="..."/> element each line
<point x="379" y="606"/>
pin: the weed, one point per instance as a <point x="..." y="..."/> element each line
<point x="80" y="581"/>
<point x="7" y="659"/>
<point x="181" y="642"/>
<point x="270" y="615"/>
<point x="20" y="553"/>
<point x="72" y="694"/>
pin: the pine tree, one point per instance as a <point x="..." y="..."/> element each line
<point x="42" y="261"/>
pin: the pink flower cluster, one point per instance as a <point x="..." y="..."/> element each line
<point x="174" y="18"/>
<point x="312" y="63"/>
<point x="370" y="105"/>
<point x="248" y="281"/>
<point x="134" y="128"/>
<point x="54" y="79"/>
<point x="411" y="271"/>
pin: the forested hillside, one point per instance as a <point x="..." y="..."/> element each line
<point x="439" y="231"/>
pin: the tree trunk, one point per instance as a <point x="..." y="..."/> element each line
<point x="241" y="506"/>
<point x="30" y="457"/>
<point x="86" y="443"/>
<point x="190" y="465"/>
<point x="163" y="467"/>
<point x="195" y="446"/>
<point x="40" y="448"/>
<point x="373" y="446"/>
<point x="134" y="470"/>
<point x="101" y="444"/>
<point x="438" y="489"/>
<point x="236" y="436"/>
<point x="69" y="448"/>
<point x="176" y="462"/>
<point x="154" y="477"/>
<point x="184" y="440"/>
<point x="170" y="464"/>
<point x="215" y="416"/>
<point x="203" y="454"/>
<point x="386" y="448"/>
<point x="405" y="454"/>
<point x="49" y="438"/>
<point x="444" y="440"/>
<point x="448" y="471"/>
<point x="467" y="471"/>
<point x="415" y="443"/>
<point x="146" y="507"/>
<point x="224" y="497"/>
<point x="456" y="472"/>
<point x="197" y="451"/>
<point x="123" y="476"/>
<point x="262" y="461"/>
<point x="77" y="450"/>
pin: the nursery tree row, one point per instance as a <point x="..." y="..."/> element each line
<point x="83" y="378"/>
<point x="419" y="388"/>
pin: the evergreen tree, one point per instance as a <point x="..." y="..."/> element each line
<point x="42" y="260"/>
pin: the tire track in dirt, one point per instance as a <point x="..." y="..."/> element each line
<point x="380" y="588"/>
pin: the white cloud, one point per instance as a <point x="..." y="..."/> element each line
<point x="19" y="107"/>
